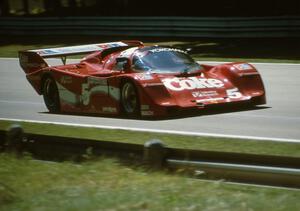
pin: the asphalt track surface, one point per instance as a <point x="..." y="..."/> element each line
<point x="278" y="119"/>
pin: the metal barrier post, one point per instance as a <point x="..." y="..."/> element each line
<point x="155" y="153"/>
<point x="14" y="139"/>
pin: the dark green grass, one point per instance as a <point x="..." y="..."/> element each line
<point x="104" y="184"/>
<point x="238" y="49"/>
<point x="175" y="141"/>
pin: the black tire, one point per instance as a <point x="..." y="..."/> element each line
<point x="130" y="102"/>
<point x="51" y="95"/>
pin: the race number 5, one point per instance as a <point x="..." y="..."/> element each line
<point x="233" y="93"/>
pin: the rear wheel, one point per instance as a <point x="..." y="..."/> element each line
<point x="51" y="96"/>
<point x="130" y="100"/>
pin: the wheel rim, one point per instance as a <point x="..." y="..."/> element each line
<point x="129" y="98"/>
<point x="51" y="92"/>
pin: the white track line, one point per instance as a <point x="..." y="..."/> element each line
<point x="185" y="133"/>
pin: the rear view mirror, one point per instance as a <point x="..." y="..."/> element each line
<point x="122" y="63"/>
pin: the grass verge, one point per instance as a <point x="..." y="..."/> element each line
<point x="104" y="184"/>
<point x="175" y="141"/>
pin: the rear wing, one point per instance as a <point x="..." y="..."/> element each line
<point x="33" y="60"/>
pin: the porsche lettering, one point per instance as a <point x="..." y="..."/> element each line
<point x="157" y="50"/>
<point x="191" y="83"/>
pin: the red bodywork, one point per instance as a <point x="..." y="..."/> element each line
<point x="93" y="84"/>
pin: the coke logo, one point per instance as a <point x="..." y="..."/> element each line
<point x="191" y="83"/>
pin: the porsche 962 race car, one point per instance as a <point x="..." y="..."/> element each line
<point x="129" y="78"/>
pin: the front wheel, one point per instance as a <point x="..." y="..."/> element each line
<point x="130" y="100"/>
<point x="51" y="96"/>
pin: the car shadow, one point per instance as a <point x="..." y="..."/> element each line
<point x="179" y="114"/>
<point x="212" y="111"/>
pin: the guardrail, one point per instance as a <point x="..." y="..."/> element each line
<point x="288" y="26"/>
<point x="239" y="167"/>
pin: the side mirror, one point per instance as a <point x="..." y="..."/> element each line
<point x="122" y="63"/>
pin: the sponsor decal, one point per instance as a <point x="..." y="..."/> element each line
<point x="116" y="44"/>
<point x="191" y="83"/>
<point x="48" y="51"/>
<point x="67" y="50"/>
<point x="112" y="44"/>
<point x="211" y="100"/>
<point x="145" y="107"/>
<point x="197" y="94"/>
<point x="152" y="84"/>
<point x="77" y="49"/>
<point x="147" y="113"/>
<point x="157" y="50"/>
<point x="244" y="66"/>
<point x="143" y="77"/>
<point x="109" y="109"/>
<point x="145" y="110"/>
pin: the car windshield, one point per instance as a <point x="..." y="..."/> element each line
<point x="164" y="60"/>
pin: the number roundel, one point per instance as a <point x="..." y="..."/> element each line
<point x="233" y="93"/>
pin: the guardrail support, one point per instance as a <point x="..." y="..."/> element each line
<point x="155" y="153"/>
<point x="14" y="139"/>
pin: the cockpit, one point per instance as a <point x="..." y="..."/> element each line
<point x="163" y="60"/>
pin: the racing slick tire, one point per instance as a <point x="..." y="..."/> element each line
<point x="51" y="95"/>
<point x="130" y="102"/>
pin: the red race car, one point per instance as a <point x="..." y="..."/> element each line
<point x="129" y="78"/>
